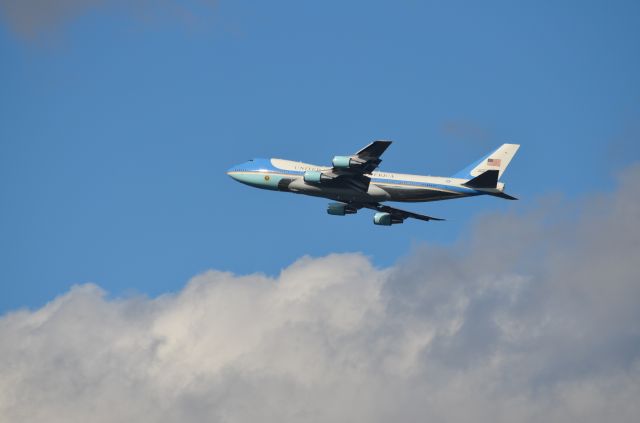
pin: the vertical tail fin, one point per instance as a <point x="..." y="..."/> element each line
<point x="496" y="160"/>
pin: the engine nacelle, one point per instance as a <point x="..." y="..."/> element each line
<point x="340" y="209"/>
<point x="346" y="162"/>
<point x="385" y="219"/>
<point x="315" y="177"/>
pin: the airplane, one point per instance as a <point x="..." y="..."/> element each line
<point x="353" y="182"/>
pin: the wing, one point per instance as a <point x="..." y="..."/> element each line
<point x="371" y="155"/>
<point x="351" y="170"/>
<point x="397" y="213"/>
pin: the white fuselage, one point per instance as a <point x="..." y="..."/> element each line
<point x="287" y="175"/>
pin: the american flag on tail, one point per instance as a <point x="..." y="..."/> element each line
<point x="493" y="162"/>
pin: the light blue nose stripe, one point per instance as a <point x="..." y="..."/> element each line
<point x="258" y="180"/>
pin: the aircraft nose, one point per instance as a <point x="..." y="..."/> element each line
<point x="232" y="171"/>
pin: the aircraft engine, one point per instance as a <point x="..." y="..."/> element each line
<point x="315" y="177"/>
<point x="340" y="209"/>
<point x="385" y="219"/>
<point x="346" y="162"/>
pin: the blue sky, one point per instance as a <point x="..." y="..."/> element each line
<point x="117" y="127"/>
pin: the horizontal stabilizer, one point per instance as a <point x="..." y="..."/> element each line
<point x="487" y="179"/>
<point x="502" y="195"/>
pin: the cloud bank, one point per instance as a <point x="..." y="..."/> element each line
<point x="32" y="18"/>
<point x="534" y="318"/>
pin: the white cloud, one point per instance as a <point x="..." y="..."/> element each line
<point x="533" y="318"/>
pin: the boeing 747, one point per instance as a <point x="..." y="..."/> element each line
<point x="355" y="184"/>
